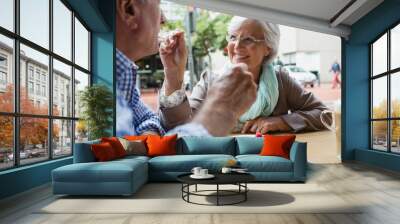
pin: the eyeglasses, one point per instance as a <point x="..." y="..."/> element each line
<point x="246" y="40"/>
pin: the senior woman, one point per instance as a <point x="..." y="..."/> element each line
<point x="281" y="104"/>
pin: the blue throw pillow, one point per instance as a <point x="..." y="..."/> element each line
<point x="249" y="145"/>
<point x="83" y="153"/>
<point x="206" y="145"/>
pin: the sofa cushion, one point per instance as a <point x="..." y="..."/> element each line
<point x="161" y="145"/>
<point x="257" y="163"/>
<point x="185" y="163"/>
<point x="142" y="138"/>
<point x="83" y="152"/>
<point x="196" y="145"/>
<point x="103" y="152"/>
<point x="133" y="158"/>
<point x="277" y="145"/>
<point x="112" y="171"/>
<point x="116" y="145"/>
<point x="136" y="147"/>
<point x="248" y="145"/>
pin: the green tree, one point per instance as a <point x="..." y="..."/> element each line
<point x="221" y="29"/>
<point x="380" y="127"/>
<point x="380" y="111"/>
<point x="173" y="25"/>
<point x="395" y="123"/>
<point x="204" y="40"/>
<point x="97" y="103"/>
<point x="210" y="34"/>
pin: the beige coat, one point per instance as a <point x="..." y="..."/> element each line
<point x="300" y="109"/>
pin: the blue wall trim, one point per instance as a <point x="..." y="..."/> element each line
<point x="89" y="11"/>
<point x="356" y="97"/>
<point x="103" y="63"/>
<point x="103" y="56"/>
<point x="24" y="178"/>
<point x="375" y="22"/>
<point x="103" y="48"/>
<point x="376" y="158"/>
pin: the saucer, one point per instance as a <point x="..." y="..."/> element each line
<point x="208" y="176"/>
<point x="240" y="171"/>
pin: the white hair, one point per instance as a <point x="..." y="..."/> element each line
<point x="270" y="30"/>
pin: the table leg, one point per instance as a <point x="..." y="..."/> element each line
<point x="188" y="189"/>
<point x="196" y="188"/>
<point x="245" y="191"/>
<point x="217" y="194"/>
<point x="182" y="188"/>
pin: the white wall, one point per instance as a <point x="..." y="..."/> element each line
<point x="310" y="50"/>
<point x="313" y="41"/>
<point x="287" y="42"/>
<point x="308" y="60"/>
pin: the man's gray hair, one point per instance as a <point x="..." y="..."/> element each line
<point x="270" y="30"/>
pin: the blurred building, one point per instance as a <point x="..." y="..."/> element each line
<point x="173" y="11"/>
<point x="310" y="50"/>
<point x="35" y="80"/>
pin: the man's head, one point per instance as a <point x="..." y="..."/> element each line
<point x="138" y="24"/>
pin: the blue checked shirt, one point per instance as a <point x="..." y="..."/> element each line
<point x="133" y="116"/>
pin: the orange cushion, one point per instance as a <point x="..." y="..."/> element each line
<point x="103" y="152"/>
<point x="277" y="145"/>
<point x="161" y="145"/>
<point x="116" y="145"/>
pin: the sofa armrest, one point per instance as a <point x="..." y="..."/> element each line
<point x="298" y="155"/>
<point x="83" y="152"/>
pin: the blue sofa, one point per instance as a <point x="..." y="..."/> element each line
<point x="125" y="176"/>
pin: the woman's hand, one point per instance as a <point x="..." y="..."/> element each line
<point x="173" y="55"/>
<point x="264" y="125"/>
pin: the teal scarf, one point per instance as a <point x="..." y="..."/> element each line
<point x="267" y="95"/>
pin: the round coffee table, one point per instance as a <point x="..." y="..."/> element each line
<point x="238" y="179"/>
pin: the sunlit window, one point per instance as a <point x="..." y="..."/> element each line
<point x="43" y="113"/>
<point x="385" y="97"/>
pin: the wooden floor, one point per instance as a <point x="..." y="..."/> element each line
<point x="379" y="189"/>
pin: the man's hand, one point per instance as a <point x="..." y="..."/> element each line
<point x="173" y="55"/>
<point x="264" y="125"/>
<point x="229" y="96"/>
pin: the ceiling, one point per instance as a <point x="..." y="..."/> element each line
<point x="326" y="16"/>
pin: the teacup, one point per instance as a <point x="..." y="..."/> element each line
<point x="196" y="170"/>
<point x="332" y="125"/>
<point x="203" y="172"/>
<point x="226" y="170"/>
